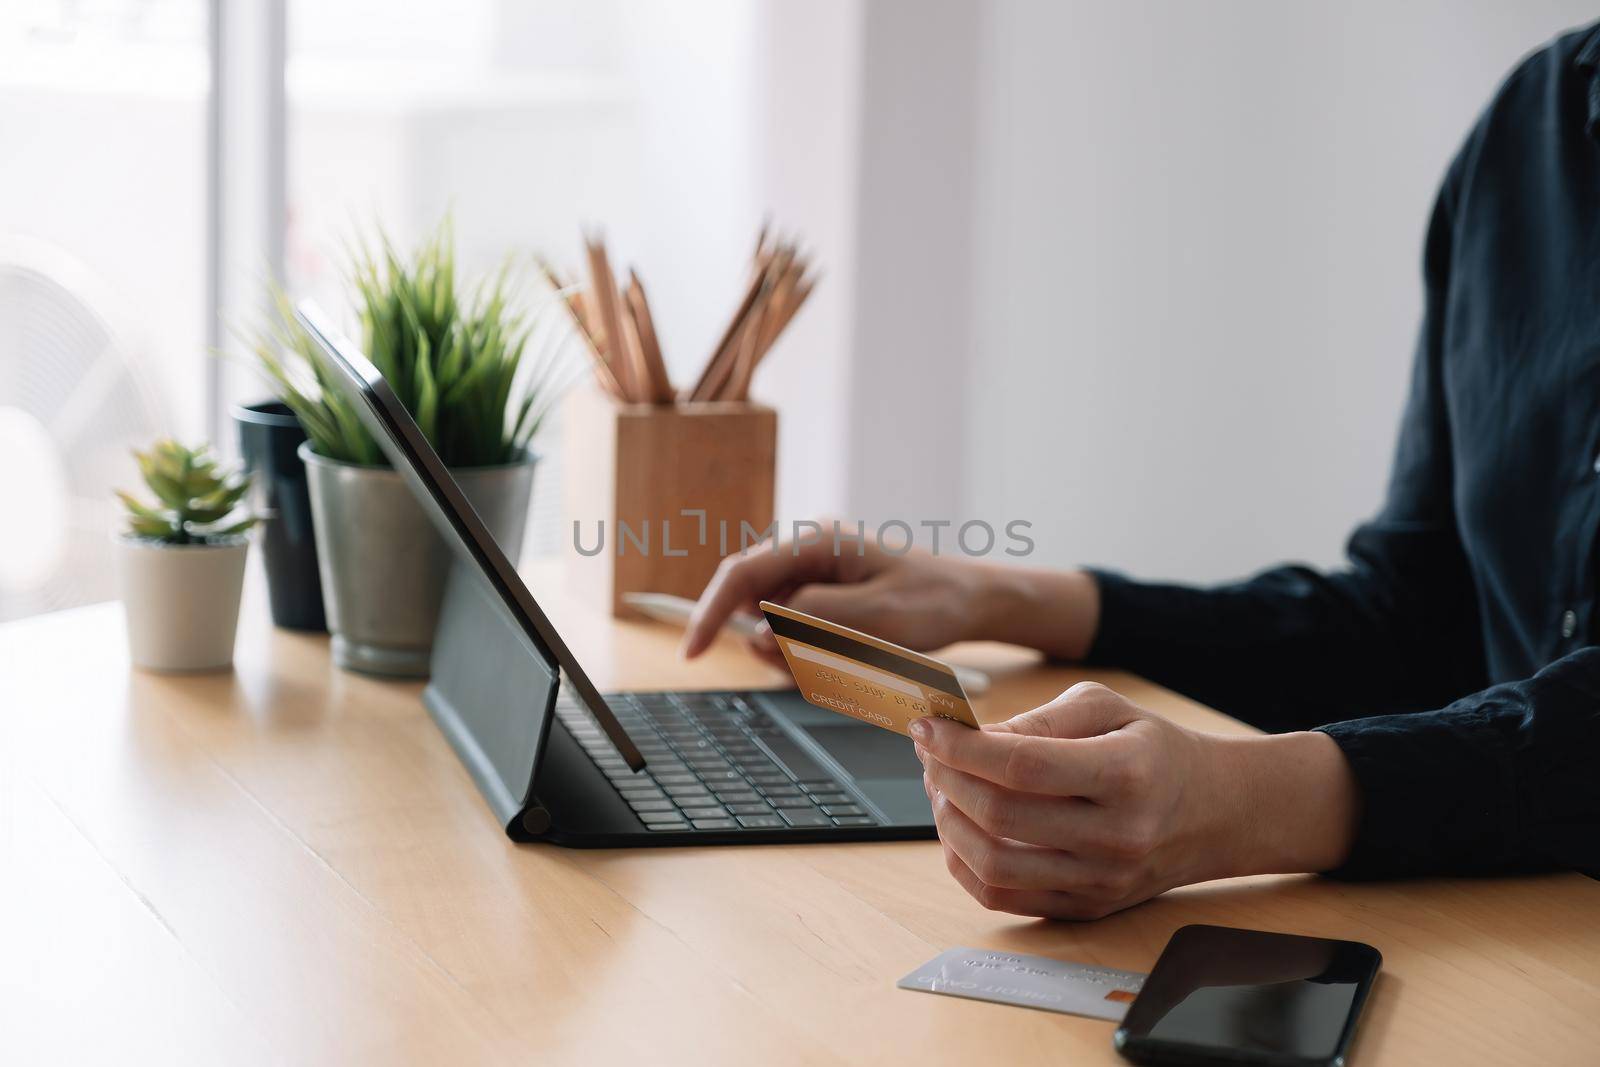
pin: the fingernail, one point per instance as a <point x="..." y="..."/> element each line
<point x="922" y="754"/>
<point x="920" y="730"/>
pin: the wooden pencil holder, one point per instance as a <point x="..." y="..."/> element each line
<point x="656" y="495"/>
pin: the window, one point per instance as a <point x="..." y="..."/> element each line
<point x="102" y="273"/>
<point x="165" y="157"/>
<point x="516" y="120"/>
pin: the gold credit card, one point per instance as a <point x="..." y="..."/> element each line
<point x="856" y="674"/>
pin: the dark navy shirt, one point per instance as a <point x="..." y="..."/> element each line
<point x="1451" y="659"/>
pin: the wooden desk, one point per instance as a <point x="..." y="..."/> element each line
<point x="286" y="864"/>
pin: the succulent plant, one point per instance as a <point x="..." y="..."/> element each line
<point x="195" y="498"/>
<point x="455" y="363"/>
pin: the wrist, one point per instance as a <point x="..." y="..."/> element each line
<point x="1055" y="612"/>
<point x="1282" y="803"/>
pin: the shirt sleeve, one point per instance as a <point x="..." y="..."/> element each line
<point x="1395" y="630"/>
<point x="1498" y="781"/>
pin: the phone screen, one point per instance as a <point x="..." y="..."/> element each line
<point x="1278" y="998"/>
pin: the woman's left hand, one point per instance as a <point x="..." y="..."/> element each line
<point x="1091" y="804"/>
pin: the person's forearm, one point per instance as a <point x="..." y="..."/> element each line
<point x="1055" y="612"/>
<point x="1280" y="803"/>
<point x="1344" y="643"/>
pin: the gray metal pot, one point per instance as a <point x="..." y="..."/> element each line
<point x="382" y="563"/>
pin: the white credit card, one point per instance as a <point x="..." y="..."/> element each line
<point x="1028" y="982"/>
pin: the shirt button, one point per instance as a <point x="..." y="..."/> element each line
<point x="1569" y="623"/>
<point x="1597" y="464"/>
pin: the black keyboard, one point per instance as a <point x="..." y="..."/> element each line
<point x="717" y="762"/>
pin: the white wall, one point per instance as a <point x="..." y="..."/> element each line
<point x="914" y="259"/>
<point x="808" y="93"/>
<point x="1196" y="245"/>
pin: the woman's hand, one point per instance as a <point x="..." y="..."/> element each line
<point x="916" y="599"/>
<point x="1091" y="804"/>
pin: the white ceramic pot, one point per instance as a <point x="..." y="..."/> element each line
<point x="181" y="602"/>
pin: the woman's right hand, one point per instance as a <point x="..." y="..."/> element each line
<point x="913" y="599"/>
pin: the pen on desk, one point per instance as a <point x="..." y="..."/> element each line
<point x="664" y="607"/>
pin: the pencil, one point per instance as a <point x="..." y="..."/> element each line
<point x="650" y="346"/>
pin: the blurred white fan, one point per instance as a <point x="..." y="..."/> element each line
<point x="72" y="404"/>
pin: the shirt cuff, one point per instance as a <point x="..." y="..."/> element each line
<point x="1116" y="632"/>
<point x="1434" y="800"/>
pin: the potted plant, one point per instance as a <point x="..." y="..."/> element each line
<point x="181" y="562"/>
<point x="269" y="441"/>
<point x="458" y="366"/>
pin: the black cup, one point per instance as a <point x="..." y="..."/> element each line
<point x="269" y="433"/>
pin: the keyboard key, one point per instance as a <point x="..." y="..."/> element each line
<point x="751" y="767"/>
<point x="760" y="822"/>
<point x="660" y="804"/>
<point x="670" y="765"/>
<point x="636" y="781"/>
<point x="714" y="778"/>
<point x="781" y="790"/>
<point x="686" y="739"/>
<point x="831" y="798"/>
<point x="640" y="792"/>
<point x="686" y="792"/>
<point x="813" y="784"/>
<point x="852" y="820"/>
<point x="715" y="824"/>
<point x="659" y="816"/>
<point x="791" y="802"/>
<point x="737" y="796"/>
<point x="805" y="818"/>
<point x="683" y="778"/>
<point x="770" y="779"/>
<point x="708" y="811"/>
<point x="842" y="809"/>
<point x="676" y="824"/>
<point x="750" y="809"/>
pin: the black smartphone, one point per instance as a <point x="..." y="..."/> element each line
<point x="1225" y="996"/>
